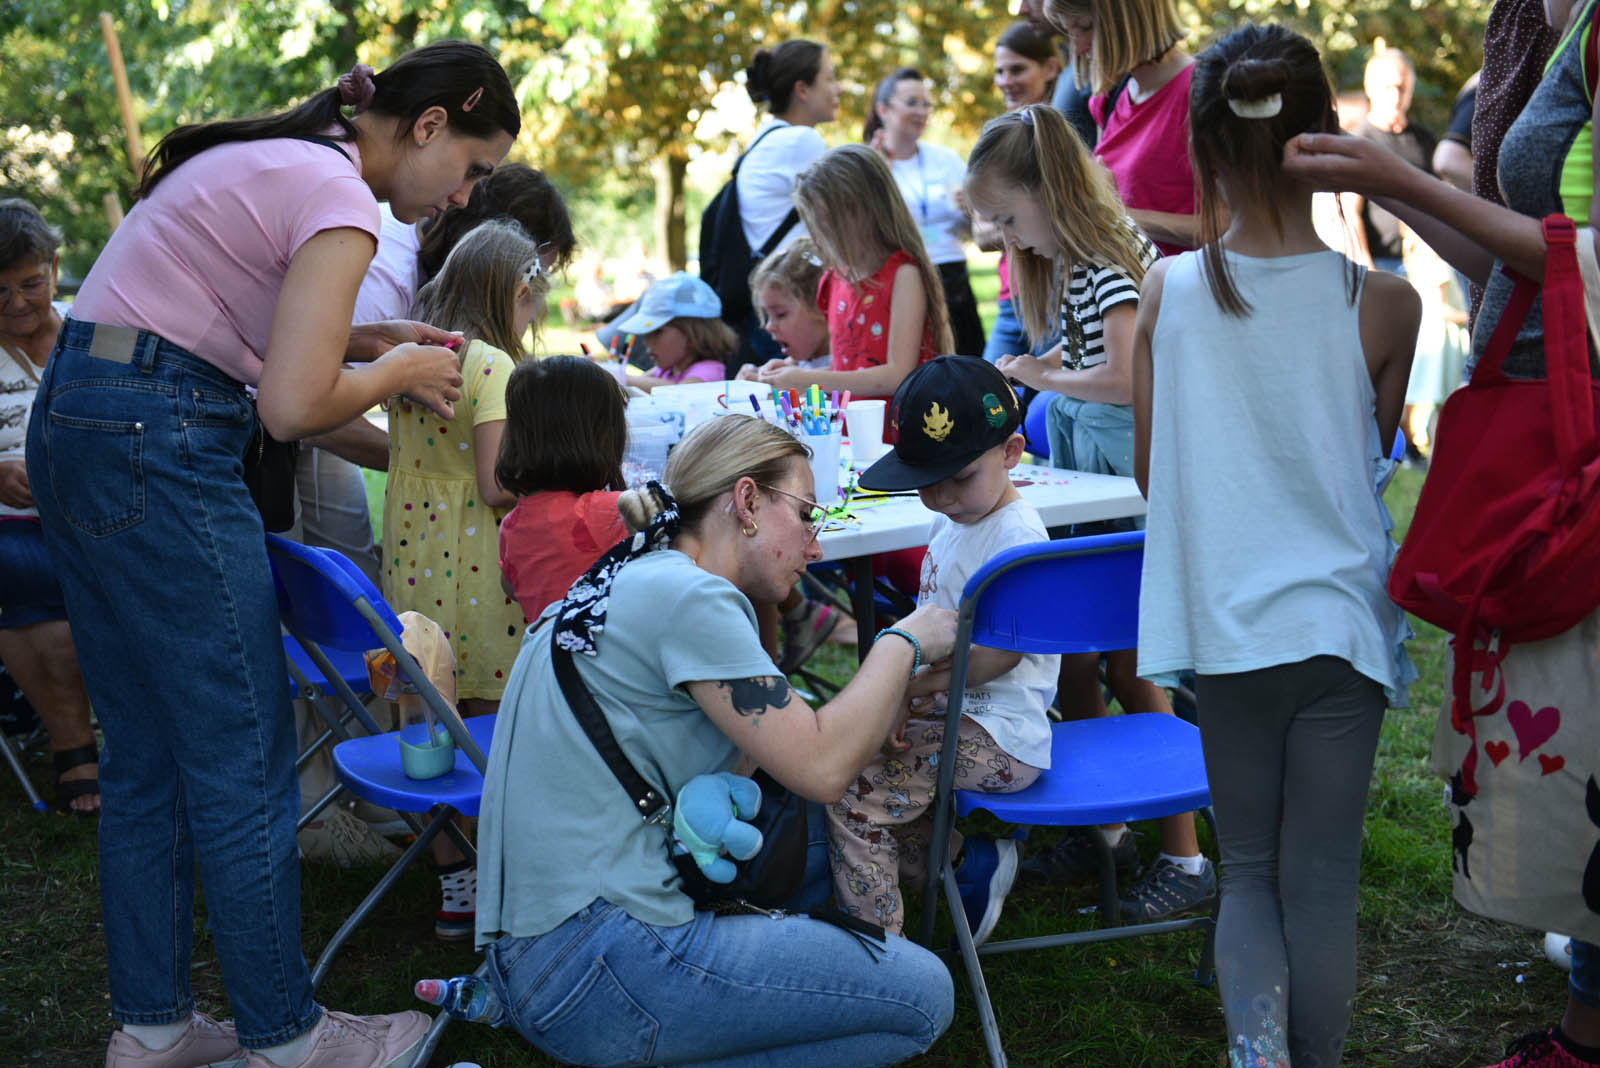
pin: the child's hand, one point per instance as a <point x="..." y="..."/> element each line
<point x="896" y="742"/>
<point x="784" y="377"/>
<point x="930" y="706"/>
<point x="1023" y="368"/>
<point x="747" y="373"/>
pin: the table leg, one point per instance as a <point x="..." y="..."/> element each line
<point x="863" y="603"/>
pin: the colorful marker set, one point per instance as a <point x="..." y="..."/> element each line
<point x="813" y="412"/>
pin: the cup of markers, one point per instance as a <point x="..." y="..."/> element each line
<point x="817" y="419"/>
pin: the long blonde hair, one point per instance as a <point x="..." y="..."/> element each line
<point x="1127" y="33"/>
<point x="1034" y="150"/>
<point x="475" y="291"/>
<point x="849" y="201"/>
<point x="709" y="460"/>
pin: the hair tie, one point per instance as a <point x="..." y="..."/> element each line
<point x="1027" y="115"/>
<point x="582" y="615"/>
<point x="357" y="88"/>
<point x="1265" y="108"/>
<point x="472" y="101"/>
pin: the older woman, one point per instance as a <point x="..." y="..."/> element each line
<point x="35" y="641"/>
<point x="594" y="952"/>
<point x="929" y="177"/>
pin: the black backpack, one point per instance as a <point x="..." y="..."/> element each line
<point x="726" y="259"/>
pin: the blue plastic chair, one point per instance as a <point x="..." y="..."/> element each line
<point x="1035" y="429"/>
<point x="1076" y="595"/>
<point x="331" y="607"/>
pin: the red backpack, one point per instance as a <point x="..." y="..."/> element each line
<point x="1505" y="543"/>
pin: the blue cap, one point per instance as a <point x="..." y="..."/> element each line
<point x="676" y="296"/>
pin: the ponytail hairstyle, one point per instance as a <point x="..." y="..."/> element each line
<point x="881" y="97"/>
<point x="709" y="460"/>
<point x="772" y="72"/>
<point x="858" y="218"/>
<point x="566" y="428"/>
<point x="458" y="76"/>
<point x="1034" y="149"/>
<point x="476" y="290"/>
<point x="1252" y="92"/>
<point x="511" y="191"/>
<point x="1127" y="33"/>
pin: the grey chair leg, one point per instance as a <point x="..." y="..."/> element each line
<point x="969" y="960"/>
<point x="22" y="775"/>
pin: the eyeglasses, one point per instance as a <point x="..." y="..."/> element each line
<point x="31" y="290"/>
<point x="812" y="516"/>
<point x="914" y="104"/>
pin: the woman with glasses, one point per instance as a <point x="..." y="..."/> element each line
<point x="594" y="952"/>
<point x="929" y="177"/>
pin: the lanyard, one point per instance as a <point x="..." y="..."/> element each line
<point x="922" y="179"/>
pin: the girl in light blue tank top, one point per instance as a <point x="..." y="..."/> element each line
<point x="1267" y="372"/>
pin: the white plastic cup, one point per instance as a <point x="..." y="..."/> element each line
<point x="825" y="462"/>
<point x="866" y="429"/>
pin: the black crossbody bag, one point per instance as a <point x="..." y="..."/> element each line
<point x="766" y="880"/>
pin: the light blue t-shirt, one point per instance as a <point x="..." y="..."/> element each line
<point x="556" y="829"/>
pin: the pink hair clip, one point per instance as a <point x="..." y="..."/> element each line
<point x="472" y="101"/>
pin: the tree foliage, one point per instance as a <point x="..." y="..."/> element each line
<point x="609" y="90"/>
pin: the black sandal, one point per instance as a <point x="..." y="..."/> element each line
<point x="71" y="789"/>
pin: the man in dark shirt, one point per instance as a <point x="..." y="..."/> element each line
<point x="1390" y="80"/>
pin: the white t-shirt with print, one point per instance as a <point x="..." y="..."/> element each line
<point x="766" y="179"/>
<point x="1012" y="707"/>
<point x="19" y="381"/>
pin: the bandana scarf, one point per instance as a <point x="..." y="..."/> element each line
<point x="582" y="615"/>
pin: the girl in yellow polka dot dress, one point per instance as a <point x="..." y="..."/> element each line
<point x="443" y="506"/>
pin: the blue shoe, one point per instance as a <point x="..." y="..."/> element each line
<point x="988" y="868"/>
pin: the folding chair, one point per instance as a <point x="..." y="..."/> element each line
<point x="329" y="606"/>
<point x="1076" y="595"/>
<point x="335" y="700"/>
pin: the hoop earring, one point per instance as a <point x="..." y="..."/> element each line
<point x="752" y="530"/>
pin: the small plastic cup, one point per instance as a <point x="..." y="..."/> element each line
<point x="422" y="757"/>
<point x="825" y="462"/>
<point x="866" y="429"/>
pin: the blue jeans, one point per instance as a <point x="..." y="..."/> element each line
<point x="604" y="989"/>
<point x="1005" y="336"/>
<point x="134" y="457"/>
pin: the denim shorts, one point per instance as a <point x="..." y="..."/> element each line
<point x="29" y="592"/>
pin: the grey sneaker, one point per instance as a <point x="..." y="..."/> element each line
<point x="1075" y="858"/>
<point x="1167" y="891"/>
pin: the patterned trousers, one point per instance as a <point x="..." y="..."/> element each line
<point x="878" y="832"/>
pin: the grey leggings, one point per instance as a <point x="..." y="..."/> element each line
<point x="1289" y="753"/>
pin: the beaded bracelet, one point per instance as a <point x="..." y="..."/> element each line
<point x="916" y="646"/>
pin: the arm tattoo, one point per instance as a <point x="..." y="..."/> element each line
<point x="751" y="697"/>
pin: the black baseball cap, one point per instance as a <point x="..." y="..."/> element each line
<point x="946" y="414"/>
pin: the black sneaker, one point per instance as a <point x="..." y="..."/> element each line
<point x="1075" y="858"/>
<point x="1167" y="891"/>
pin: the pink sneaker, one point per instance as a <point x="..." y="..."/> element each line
<point x="1540" y="1050"/>
<point x="207" y="1044"/>
<point x="343" y="1041"/>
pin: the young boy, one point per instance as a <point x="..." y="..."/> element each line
<point x="956" y="419"/>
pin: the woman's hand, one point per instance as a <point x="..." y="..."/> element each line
<point x="14" y="489"/>
<point x="1342" y="163"/>
<point x="934" y="629"/>
<point x="432" y="375"/>
<point x="368" y="341"/>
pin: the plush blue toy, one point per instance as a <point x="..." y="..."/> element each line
<point x="709" y="820"/>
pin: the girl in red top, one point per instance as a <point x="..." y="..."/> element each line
<point x="881" y="294"/>
<point x="1144" y="123"/>
<point x="566" y="430"/>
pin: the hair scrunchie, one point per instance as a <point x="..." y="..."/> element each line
<point x="582" y="615"/>
<point x="357" y="88"/>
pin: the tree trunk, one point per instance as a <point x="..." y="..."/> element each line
<point x="670" y="168"/>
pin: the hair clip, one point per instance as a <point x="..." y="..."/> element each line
<point x="1027" y="115"/>
<point x="811" y="258"/>
<point x="472" y="101"/>
<point x="535" y="269"/>
<point x="1265" y="108"/>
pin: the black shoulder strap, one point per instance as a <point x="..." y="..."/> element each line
<point x="1116" y="93"/>
<point x="326" y="141"/>
<point x="777" y="235"/>
<point x="759" y="138"/>
<point x="651" y="806"/>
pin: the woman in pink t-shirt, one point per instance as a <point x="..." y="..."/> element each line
<point x="238" y="266"/>
<point x="1144" y="120"/>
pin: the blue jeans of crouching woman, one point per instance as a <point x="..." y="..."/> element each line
<point x="732" y="991"/>
<point x="134" y="454"/>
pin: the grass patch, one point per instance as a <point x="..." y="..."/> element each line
<point x="1439" y="988"/>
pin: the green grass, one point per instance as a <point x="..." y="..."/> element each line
<point x="1438" y="987"/>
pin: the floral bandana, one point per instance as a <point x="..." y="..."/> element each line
<point x="582" y="615"/>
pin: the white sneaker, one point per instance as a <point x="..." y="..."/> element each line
<point x="1558" y="948"/>
<point x="343" y="1041"/>
<point x="344" y="840"/>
